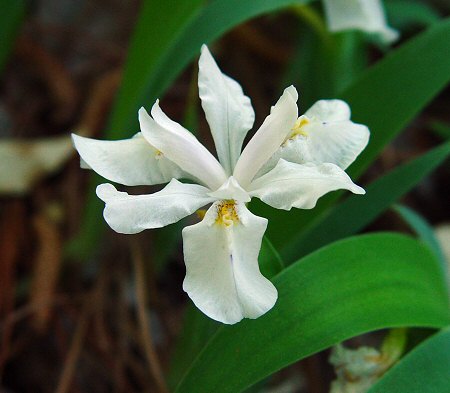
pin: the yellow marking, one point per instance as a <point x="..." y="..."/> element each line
<point x="158" y="154"/>
<point x="201" y="213"/>
<point x="226" y="213"/>
<point x="298" y="129"/>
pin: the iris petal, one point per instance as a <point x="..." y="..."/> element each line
<point x="228" y="111"/>
<point x="222" y="273"/>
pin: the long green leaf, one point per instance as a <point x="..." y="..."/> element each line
<point x="441" y="129"/>
<point x="356" y="212"/>
<point x="426" y="369"/>
<point x="160" y="23"/>
<point x="333" y="60"/>
<point x="423" y="229"/>
<point x="147" y="77"/>
<point x="386" y="98"/>
<point x="396" y="89"/>
<point x="198" y="328"/>
<point x="406" y="14"/>
<point x="348" y="288"/>
<point x="10" y="17"/>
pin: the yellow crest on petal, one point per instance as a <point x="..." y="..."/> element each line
<point x="226" y="213"/>
<point x="298" y="129"/>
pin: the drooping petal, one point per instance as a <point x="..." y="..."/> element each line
<point x="129" y="161"/>
<point x="228" y="111"/>
<point x="268" y="138"/>
<point x="327" y="136"/>
<point x="133" y="213"/>
<point x="222" y="273"/>
<point x="365" y="15"/>
<point x="181" y="147"/>
<point x="295" y="185"/>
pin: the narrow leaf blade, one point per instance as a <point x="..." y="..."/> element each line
<point x="356" y="212"/>
<point x="343" y="290"/>
<point x="386" y="98"/>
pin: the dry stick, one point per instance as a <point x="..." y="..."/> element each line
<point x="256" y="41"/>
<point x="70" y="363"/>
<point x="47" y="266"/>
<point x="25" y="311"/>
<point x="152" y="358"/>
<point x="11" y="237"/>
<point x="53" y="73"/>
<point x="99" y="102"/>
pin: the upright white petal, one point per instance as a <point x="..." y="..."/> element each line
<point x="365" y="15"/>
<point x="133" y="213"/>
<point x="181" y="147"/>
<point x="329" y="110"/>
<point x="335" y="141"/>
<point x="129" y="161"/>
<point x="328" y="136"/>
<point x="268" y="138"/>
<point x="222" y="273"/>
<point x="228" y="111"/>
<point x="294" y="185"/>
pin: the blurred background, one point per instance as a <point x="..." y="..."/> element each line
<point x="83" y="309"/>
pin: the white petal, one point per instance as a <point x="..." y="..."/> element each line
<point x="222" y="273"/>
<point x="329" y="110"/>
<point x="229" y="112"/>
<point x="129" y="161"/>
<point x="268" y="138"/>
<point x="231" y="189"/>
<point x="133" y="213"/>
<point x="294" y="185"/>
<point x="331" y="137"/>
<point x="181" y="147"/>
<point x="365" y="15"/>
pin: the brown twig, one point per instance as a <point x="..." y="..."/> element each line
<point x="99" y="102"/>
<point x="261" y="44"/>
<point x="70" y="364"/>
<point x="150" y="353"/>
<point x="47" y="266"/>
<point x="25" y="311"/>
<point x="47" y="67"/>
<point x="11" y="231"/>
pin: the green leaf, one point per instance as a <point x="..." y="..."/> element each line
<point x="10" y="19"/>
<point x="358" y="211"/>
<point x="270" y="262"/>
<point x="416" y="68"/>
<point x="333" y="60"/>
<point x="423" y="229"/>
<point x="160" y="23"/>
<point x="441" y="129"/>
<point x="168" y="36"/>
<point x="198" y="328"/>
<point x="405" y="14"/>
<point x="424" y="370"/>
<point x="348" y="288"/>
<point x="386" y="98"/>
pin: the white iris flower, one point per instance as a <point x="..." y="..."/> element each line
<point x="289" y="162"/>
<point x="365" y="15"/>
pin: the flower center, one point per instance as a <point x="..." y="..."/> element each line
<point x="226" y="213"/>
<point x="298" y="129"/>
